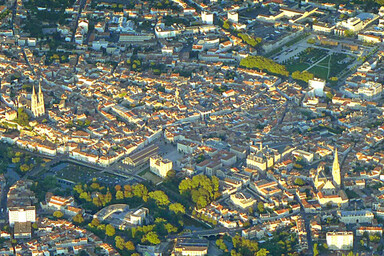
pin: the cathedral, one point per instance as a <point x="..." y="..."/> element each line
<point x="37" y="102"/>
<point x="328" y="186"/>
<point x="329" y="190"/>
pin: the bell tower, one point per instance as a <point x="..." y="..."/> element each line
<point x="336" y="170"/>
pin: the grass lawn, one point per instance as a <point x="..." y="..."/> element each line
<point x="299" y="66"/>
<point x="188" y="221"/>
<point x="324" y="62"/>
<point x="142" y="173"/>
<point x="319" y="72"/>
<point x="152" y="177"/>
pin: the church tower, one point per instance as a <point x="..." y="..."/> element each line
<point x="37" y="102"/>
<point x="336" y="170"/>
<point x="34" y="102"/>
<point x="41" y="101"/>
<point x="177" y="95"/>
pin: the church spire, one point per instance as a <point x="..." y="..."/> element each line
<point x="41" y="97"/>
<point x="336" y="169"/>
<point x="40" y="92"/>
<point x="37" y="102"/>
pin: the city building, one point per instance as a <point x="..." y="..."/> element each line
<point x="160" y="166"/>
<point x="37" y="102"/>
<point x="242" y="200"/>
<point x="317" y="85"/>
<point x="207" y="18"/>
<point x="189" y="246"/>
<point x="21" y="214"/>
<point x="233" y="17"/>
<point x="140" y="158"/>
<point x="340" y="240"/>
<point x="356" y="217"/>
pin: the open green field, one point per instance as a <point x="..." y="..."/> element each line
<point x="299" y="66"/>
<point x="336" y="63"/>
<point x="319" y="72"/>
<point x="81" y="174"/>
<point x="305" y="59"/>
<point x="152" y="177"/>
<point x="330" y="65"/>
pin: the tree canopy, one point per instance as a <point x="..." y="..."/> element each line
<point x="252" y="41"/>
<point x="177" y="208"/>
<point x="304" y="76"/>
<point x="201" y="189"/>
<point x="263" y="63"/>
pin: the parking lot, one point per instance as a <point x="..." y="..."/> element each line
<point x="80" y="174"/>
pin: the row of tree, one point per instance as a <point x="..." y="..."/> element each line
<point x="265" y="64"/>
<point x="248" y="39"/>
<point x="270" y="66"/>
<point x="252" y="41"/>
<point x="303" y="76"/>
<point x="241" y="246"/>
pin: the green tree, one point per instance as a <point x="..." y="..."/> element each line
<point x="15" y="160"/>
<point x="78" y="218"/>
<point x="227" y="25"/>
<point x="311" y="41"/>
<point x="110" y="230"/>
<point x="24" y="168"/>
<point x="177" y="208"/>
<point x="108" y="197"/>
<point x="234" y="253"/>
<point x="160" y="197"/>
<point x="119" y="242"/>
<point x="171" y="174"/>
<point x="315" y="250"/>
<point x="128" y="194"/>
<point x="374" y="238"/>
<point x="262" y="252"/>
<point x="299" y="181"/>
<point x="86" y="196"/>
<point x="304" y="76"/>
<point x="95" y="222"/>
<point x="221" y="245"/>
<point x="263" y="63"/>
<point x="95" y="186"/>
<point x="58" y="214"/>
<point x="252" y="41"/>
<point x="170" y="228"/>
<point x="260" y="207"/>
<point x="119" y="195"/>
<point x="141" y="191"/>
<point x="129" y="246"/>
<point x="201" y="189"/>
<point x="22" y="117"/>
<point x="151" y="237"/>
<point x="334" y="78"/>
<point x="349" y="33"/>
<point x="96" y="201"/>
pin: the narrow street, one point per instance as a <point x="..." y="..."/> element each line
<point x="82" y="4"/>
